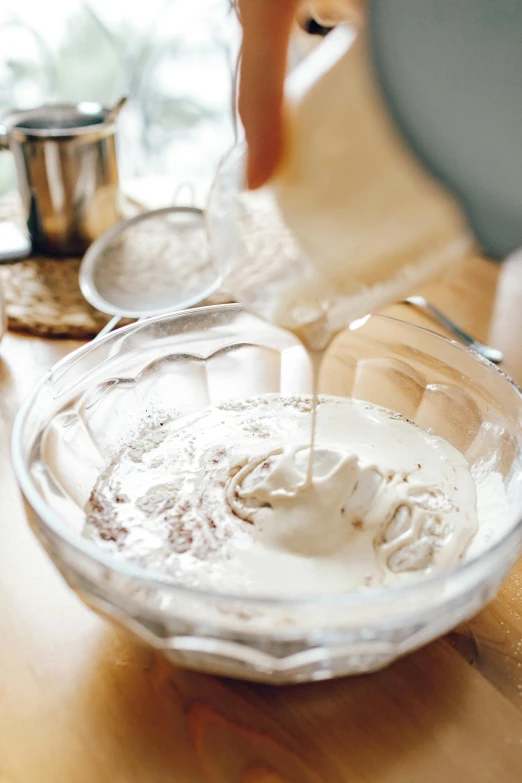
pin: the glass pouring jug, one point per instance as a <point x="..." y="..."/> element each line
<point x="349" y="223"/>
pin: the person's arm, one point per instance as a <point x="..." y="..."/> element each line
<point x="267" y="25"/>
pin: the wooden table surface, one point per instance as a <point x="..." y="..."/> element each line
<point x="81" y="703"/>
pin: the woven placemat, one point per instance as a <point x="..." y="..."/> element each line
<point x="43" y="297"/>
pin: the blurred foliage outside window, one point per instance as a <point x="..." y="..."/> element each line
<point x="174" y="58"/>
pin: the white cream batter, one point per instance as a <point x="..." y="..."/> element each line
<point x="220" y="499"/>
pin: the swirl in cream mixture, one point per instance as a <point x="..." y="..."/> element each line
<point x="222" y="500"/>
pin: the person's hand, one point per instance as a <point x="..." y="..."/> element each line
<point x="267" y="25"/>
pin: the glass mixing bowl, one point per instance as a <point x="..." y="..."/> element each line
<point x="92" y="401"/>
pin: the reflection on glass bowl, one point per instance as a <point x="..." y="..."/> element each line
<point x="90" y="404"/>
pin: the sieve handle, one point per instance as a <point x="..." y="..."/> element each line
<point x="113" y="323"/>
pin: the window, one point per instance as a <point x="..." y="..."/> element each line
<point x="174" y="58"/>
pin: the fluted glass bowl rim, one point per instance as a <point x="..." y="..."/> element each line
<point x="149" y="579"/>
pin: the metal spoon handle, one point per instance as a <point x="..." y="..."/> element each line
<point x="487" y="351"/>
<point x="447" y="322"/>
